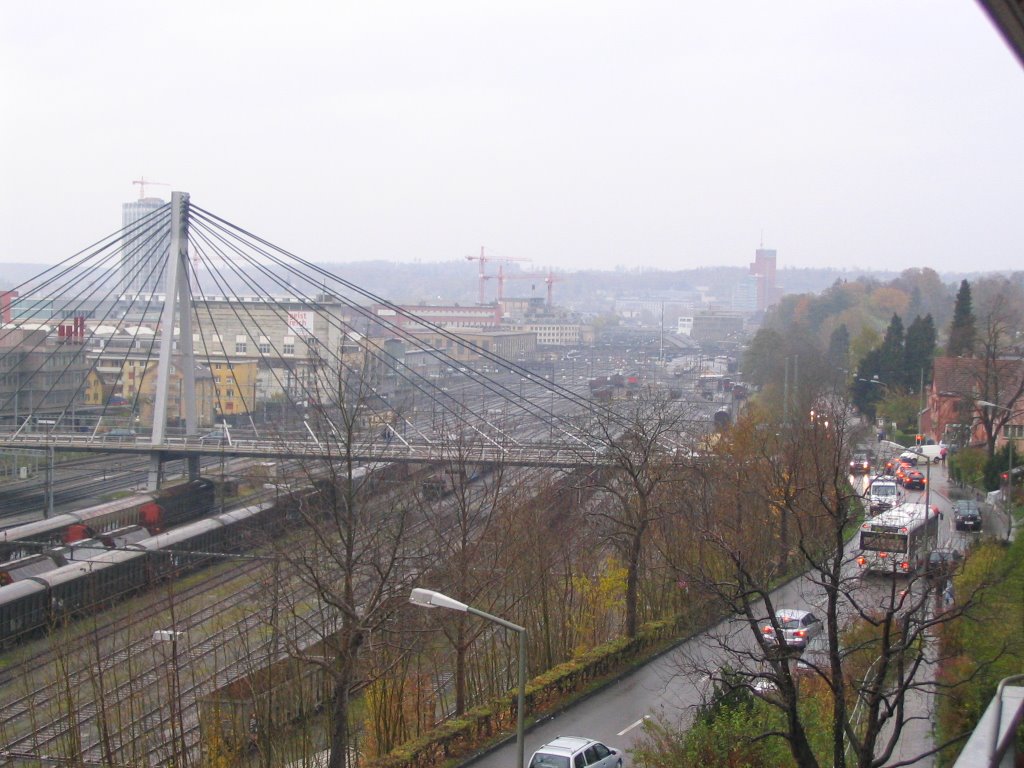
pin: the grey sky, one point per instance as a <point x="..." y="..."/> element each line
<point x="859" y="133"/>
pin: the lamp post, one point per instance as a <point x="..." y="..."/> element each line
<point x="1008" y="499"/>
<point x="428" y="598"/>
<point x="927" y="486"/>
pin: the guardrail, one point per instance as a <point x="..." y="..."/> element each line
<point x="537" y="453"/>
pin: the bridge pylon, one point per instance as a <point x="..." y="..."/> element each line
<point x="177" y="306"/>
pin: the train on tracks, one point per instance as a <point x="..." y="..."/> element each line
<point x="155" y="512"/>
<point x="49" y="597"/>
<point x="33" y="605"/>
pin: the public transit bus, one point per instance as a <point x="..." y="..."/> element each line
<point x="898" y="540"/>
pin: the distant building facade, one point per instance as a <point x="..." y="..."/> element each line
<point x="745" y="294"/>
<point x="446" y="316"/>
<point x="552" y="334"/>
<point x="716" y="326"/>
<point x="144" y="247"/>
<point x="763" y="269"/>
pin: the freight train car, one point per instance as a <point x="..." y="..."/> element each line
<point x="154" y="511"/>
<point x="32" y="605"/>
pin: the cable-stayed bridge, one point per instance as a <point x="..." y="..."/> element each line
<point x="183" y="334"/>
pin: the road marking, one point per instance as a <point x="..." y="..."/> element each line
<point x="629" y="728"/>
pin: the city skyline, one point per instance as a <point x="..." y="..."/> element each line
<point x="861" y="135"/>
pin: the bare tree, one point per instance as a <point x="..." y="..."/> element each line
<point x="995" y="372"/>
<point x="645" y="446"/>
<point x="355" y="563"/>
<point x="464" y="520"/>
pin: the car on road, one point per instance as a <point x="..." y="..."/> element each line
<point x="575" y="752"/>
<point x="913" y="479"/>
<point x="883" y="494"/>
<point x="941" y="563"/>
<point x="817" y="657"/>
<point x="966" y="515"/>
<point x="860" y="464"/>
<point x="909" y="458"/>
<point x="797" y="626"/>
<point x="216" y="436"/>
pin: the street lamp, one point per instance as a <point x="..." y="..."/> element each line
<point x="1008" y="500"/>
<point x="428" y="598"/>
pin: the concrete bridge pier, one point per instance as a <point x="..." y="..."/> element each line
<point x="156" y="469"/>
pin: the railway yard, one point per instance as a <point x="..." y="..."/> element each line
<point x="175" y="621"/>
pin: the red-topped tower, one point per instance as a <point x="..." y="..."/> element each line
<point x="763" y="268"/>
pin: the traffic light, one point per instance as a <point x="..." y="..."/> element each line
<point x="919" y="440"/>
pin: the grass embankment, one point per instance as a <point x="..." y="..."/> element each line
<point x="987" y="644"/>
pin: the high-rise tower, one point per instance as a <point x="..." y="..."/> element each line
<point x="763" y="268"/>
<point x="144" y="246"/>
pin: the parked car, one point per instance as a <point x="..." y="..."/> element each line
<point x="860" y="464"/>
<point x="575" y="752"/>
<point x="941" y="563"/>
<point x="966" y="515"/>
<point x="798" y="627"/>
<point x="913" y="479"/>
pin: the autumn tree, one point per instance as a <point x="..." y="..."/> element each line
<point x="772" y="487"/>
<point x="646" y="442"/>
<point x="838" y="353"/>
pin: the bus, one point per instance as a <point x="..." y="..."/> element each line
<point x="897" y="541"/>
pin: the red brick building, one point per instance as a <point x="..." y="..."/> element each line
<point x="958" y="383"/>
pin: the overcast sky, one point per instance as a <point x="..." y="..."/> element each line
<point x="851" y="133"/>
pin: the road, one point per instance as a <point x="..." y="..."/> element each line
<point x="669" y="685"/>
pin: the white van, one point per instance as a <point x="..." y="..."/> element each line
<point x="884" y="494"/>
<point x="933" y="452"/>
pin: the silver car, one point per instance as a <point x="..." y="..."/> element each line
<point x="575" y="752"/>
<point x="797" y="626"/>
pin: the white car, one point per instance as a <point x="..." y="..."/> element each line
<point x="797" y="626"/>
<point x="575" y="752"/>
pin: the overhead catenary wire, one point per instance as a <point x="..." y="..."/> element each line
<point x="266" y="249"/>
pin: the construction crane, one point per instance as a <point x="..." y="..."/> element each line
<point x="549" y="279"/>
<point x="142" y="182"/>
<point x="482" y="258"/>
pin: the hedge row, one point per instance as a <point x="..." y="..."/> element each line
<point x="479" y="726"/>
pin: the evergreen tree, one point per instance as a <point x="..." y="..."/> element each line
<point x="961" y="330"/>
<point x="839" y="347"/>
<point x="892" y="353"/>
<point x="867" y="387"/>
<point x="919" y="351"/>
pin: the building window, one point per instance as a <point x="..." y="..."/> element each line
<point x="1013" y="431"/>
<point x="288" y="348"/>
<point x="241" y="345"/>
<point x="264" y="345"/>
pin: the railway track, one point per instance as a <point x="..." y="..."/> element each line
<point x="127" y="674"/>
<point x="108" y="693"/>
